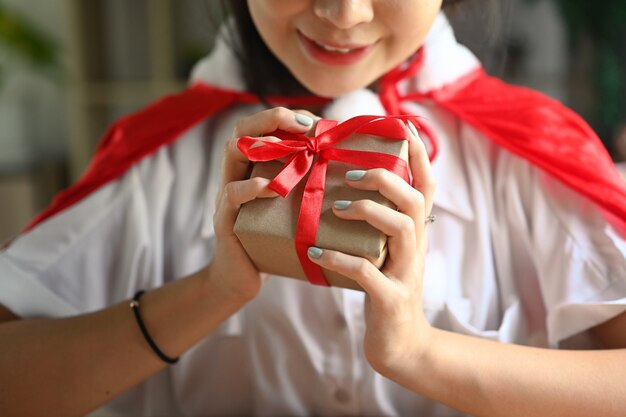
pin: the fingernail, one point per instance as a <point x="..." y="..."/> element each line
<point x="303" y="119"/>
<point x="314" y="252"/>
<point x="412" y="128"/>
<point x="355" y="175"/>
<point x="342" y="204"/>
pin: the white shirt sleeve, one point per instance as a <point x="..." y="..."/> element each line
<point x="137" y="232"/>
<point x="566" y="258"/>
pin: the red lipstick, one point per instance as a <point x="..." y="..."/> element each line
<point x="333" y="54"/>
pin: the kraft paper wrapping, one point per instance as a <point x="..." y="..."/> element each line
<point x="266" y="227"/>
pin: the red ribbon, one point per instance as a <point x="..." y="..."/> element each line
<point x="301" y="152"/>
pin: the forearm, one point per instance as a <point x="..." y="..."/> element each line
<point x="486" y="378"/>
<point x="74" y="365"/>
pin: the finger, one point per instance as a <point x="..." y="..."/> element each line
<point x="407" y="199"/>
<point x="235" y="164"/>
<point x="270" y="120"/>
<point x="405" y="229"/>
<point x="261" y="141"/>
<point x="399" y="228"/>
<point x="423" y="178"/>
<point x="233" y="195"/>
<point x="307" y="113"/>
<point x="359" y="269"/>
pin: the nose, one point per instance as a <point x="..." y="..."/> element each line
<point x="344" y="14"/>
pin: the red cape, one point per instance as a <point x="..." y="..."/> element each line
<point x="544" y="132"/>
<point x="524" y="122"/>
<point x="140" y="134"/>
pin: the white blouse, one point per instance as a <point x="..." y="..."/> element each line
<point x="514" y="256"/>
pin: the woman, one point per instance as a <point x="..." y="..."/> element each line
<point x="515" y="256"/>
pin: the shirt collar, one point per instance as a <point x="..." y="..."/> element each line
<point x="221" y="66"/>
<point x="445" y="60"/>
<point x="453" y="187"/>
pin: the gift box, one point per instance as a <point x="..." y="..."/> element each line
<point x="276" y="232"/>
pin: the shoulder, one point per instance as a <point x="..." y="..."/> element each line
<point x="493" y="102"/>
<point x="135" y="139"/>
<point x="543" y="132"/>
<point x="561" y="228"/>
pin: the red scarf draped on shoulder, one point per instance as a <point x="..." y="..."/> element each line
<point x="522" y="121"/>
<point x="140" y="134"/>
<point x="544" y="132"/>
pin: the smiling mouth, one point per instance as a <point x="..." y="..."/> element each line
<point x="341" y="48"/>
<point x="335" y="54"/>
<point x="334" y="49"/>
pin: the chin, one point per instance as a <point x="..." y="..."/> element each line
<point x="333" y="88"/>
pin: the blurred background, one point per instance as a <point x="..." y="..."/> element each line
<point x="69" y="68"/>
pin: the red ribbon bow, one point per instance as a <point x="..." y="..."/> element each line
<point x="302" y="150"/>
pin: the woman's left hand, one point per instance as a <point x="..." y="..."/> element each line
<point x="397" y="330"/>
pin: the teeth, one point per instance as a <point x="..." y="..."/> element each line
<point x="332" y="49"/>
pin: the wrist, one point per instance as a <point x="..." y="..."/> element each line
<point x="406" y="368"/>
<point x="216" y="293"/>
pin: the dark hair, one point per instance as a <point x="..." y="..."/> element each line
<point x="263" y="73"/>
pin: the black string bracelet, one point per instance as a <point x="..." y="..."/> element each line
<point x="134" y="305"/>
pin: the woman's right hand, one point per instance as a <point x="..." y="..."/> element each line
<point x="232" y="272"/>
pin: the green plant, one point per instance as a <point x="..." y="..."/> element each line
<point x="20" y="38"/>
